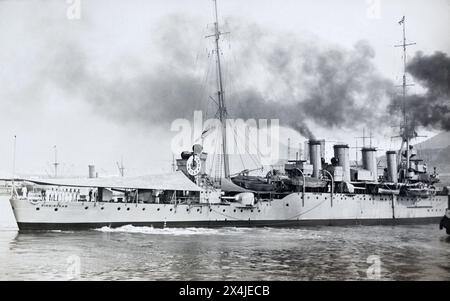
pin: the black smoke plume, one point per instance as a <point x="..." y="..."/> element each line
<point x="269" y="76"/>
<point x="431" y="109"/>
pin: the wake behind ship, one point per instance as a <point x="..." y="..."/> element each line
<point x="302" y="192"/>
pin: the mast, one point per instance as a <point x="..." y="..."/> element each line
<point x="300" y="151"/>
<point x="55" y="164"/>
<point x="364" y="137"/>
<point x="121" y="167"/>
<point x="14" y="167"/>
<point x="220" y="94"/>
<point x="407" y="131"/>
<point x="289" y="149"/>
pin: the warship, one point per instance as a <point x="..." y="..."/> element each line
<point x="301" y="193"/>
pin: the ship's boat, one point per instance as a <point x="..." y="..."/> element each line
<point x="417" y="192"/>
<point x="421" y="191"/>
<point x="388" y="191"/>
<point x="277" y="184"/>
<point x="254" y="183"/>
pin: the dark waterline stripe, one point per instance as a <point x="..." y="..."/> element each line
<point x="216" y="224"/>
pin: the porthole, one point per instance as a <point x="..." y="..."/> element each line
<point x="171" y="209"/>
<point x="223" y="210"/>
<point x="234" y="210"/>
<point x="287" y="205"/>
<point x="56" y="209"/>
<point x="198" y="210"/>
<point x="251" y="210"/>
<point x="158" y="209"/>
<point x="259" y="210"/>
<point x="143" y="209"/>
<point x="118" y="208"/>
<point x="37" y="208"/>
<point x="128" y="209"/>
<point x="242" y="210"/>
<point x="101" y="208"/>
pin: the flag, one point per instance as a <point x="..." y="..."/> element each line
<point x="206" y="131"/>
<point x="402" y="21"/>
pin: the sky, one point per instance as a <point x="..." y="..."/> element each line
<point x="104" y="85"/>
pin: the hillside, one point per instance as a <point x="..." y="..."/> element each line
<point x="440" y="141"/>
<point x="436" y="153"/>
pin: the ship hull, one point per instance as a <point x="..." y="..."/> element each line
<point x="221" y="224"/>
<point x="292" y="211"/>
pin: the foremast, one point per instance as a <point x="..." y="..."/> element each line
<point x="407" y="131"/>
<point x="222" y="110"/>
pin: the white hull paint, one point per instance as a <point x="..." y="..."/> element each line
<point x="316" y="208"/>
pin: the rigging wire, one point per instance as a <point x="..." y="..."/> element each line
<point x="232" y="83"/>
<point x="237" y="146"/>
<point x="213" y="157"/>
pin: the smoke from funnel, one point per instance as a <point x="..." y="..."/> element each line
<point x="431" y="109"/>
<point x="267" y="75"/>
<point x="309" y="83"/>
